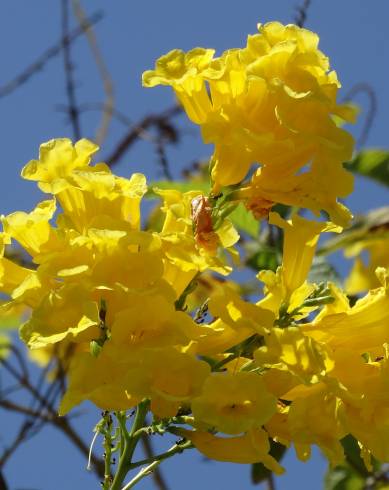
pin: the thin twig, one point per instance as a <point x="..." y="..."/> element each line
<point x="19" y="439"/>
<point x="68" y="68"/>
<point x="302" y="12"/>
<point x="3" y="483"/>
<point x="103" y="71"/>
<point x="160" y="148"/>
<point x="270" y="483"/>
<point x="371" y="112"/>
<point x="137" y="130"/>
<point x="158" y="479"/>
<point x="51" y="52"/>
<point x="37" y="418"/>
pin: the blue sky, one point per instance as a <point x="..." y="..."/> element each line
<point x="131" y="36"/>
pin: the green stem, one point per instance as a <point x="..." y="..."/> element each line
<point x="177" y="448"/>
<point x="107" y="450"/>
<point x="130" y="440"/>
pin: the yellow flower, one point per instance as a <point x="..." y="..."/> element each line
<point x="362" y="276"/>
<point x="171" y="379"/>
<point x="183" y="72"/>
<point x="57" y="159"/>
<point x="289" y="349"/>
<point x="361" y="327"/>
<point x="288" y="287"/>
<point x="101" y="380"/>
<point x="234" y="403"/>
<point x="33" y="230"/>
<point x="65" y="313"/>
<point x="316" y="416"/>
<point x="189" y="241"/>
<point x="252" y="447"/>
<point x="270" y="103"/>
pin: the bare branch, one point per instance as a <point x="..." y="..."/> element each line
<point x="53" y="51"/>
<point x="302" y="13"/>
<point x="371" y="111"/>
<point x="157" y="474"/>
<point x="68" y="69"/>
<point x="137" y="130"/>
<point x="104" y="74"/>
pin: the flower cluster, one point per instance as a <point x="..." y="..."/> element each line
<point x="272" y="103"/>
<point x="299" y="366"/>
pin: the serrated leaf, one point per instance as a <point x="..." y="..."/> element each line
<point x="259" y="472"/>
<point x="372" y="163"/>
<point x="245" y="221"/>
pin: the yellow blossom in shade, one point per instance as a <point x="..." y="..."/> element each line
<point x="171" y="379"/>
<point x="289" y="349"/>
<point x="362" y="327"/>
<point x="57" y="159"/>
<point x="288" y="287"/>
<point x="64" y="313"/>
<point x="252" y="447"/>
<point x="235" y="321"/>
<point x="234" y="403"/>
<point x="102" y="380"/>
<point x="362" y="276"/>
<point x="316" y="416"/>
<point x="271" y="103"/>
<point x="367" y="419"/>
<point x="316" y="190"/>
<point x="151" y="320"/>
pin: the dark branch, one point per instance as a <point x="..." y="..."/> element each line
<point x="371" y="111"/>
<point x="157" y="474"/>
<point x="302" y="12"/>
<point x="3" y="483"/>
<point x="136" y="132"/>
<point x="53" y="51"/>
<point x="68" y="68"/>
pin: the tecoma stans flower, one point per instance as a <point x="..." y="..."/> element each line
<point x="271" y="103"/>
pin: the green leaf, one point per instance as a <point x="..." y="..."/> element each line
<point x="353" y="455"/>
<point x="323" y="271"/>
<point x="4" y="346"/>
<point x="245" y="221"/>
<point x="343" y="478"/>
<point x="372" y="163"/>
<point x="183" y="186"/>
<point x="259" y="472"/>
<point x="8" y="322"/>
<point x="263" y="257"/>
<point x="374" y="224"/>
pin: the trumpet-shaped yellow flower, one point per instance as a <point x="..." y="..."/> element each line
<point x="288" y="287"/>
<point x="289" y="349"/>
<point x="57" y="159"/>
<point x="270" y="103"/>
<point x="362" y="276"/>
<point x="316" y="416"/>
<point x="234" y="403"/>
<point x="361" y="327"/>
<point x="252" y="447"/>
